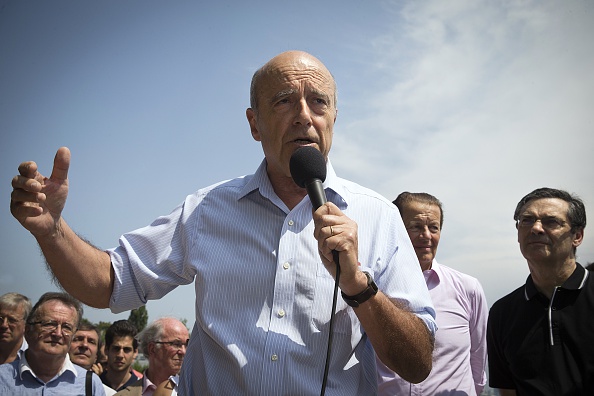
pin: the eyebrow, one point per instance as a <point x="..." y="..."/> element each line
<point x="282" y="94"/>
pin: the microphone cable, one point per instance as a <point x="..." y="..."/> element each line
<point x="331" y="324"/>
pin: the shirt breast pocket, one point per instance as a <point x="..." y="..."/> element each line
<point x="345" y="320"/>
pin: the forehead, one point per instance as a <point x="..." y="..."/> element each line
<point x="296" y="73"/>
<point x="546" y="207"/>
<point x="17" y="310"/>
<point x="417" y="211"/>
<point x="55" y="309"/>
<point x="123" y="341"/>
<point x="175" y="330"/>
<point x="87" y="333"/>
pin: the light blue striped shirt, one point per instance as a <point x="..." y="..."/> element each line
<point x="263" y="296"/>
<point x="18" y="379"/>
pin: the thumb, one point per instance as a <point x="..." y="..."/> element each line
<point x="61" y="164"/>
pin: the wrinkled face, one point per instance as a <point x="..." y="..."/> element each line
<point x="295" y="108"/>
<point x="169" y="354"/>
<point x="12" y="325"/>
<point x="83" y="349"/>
<point x="422" y="223"/>
<point x="51" y="331"/>
<point x="544" y="232"/>
<point x="121" y="354"/>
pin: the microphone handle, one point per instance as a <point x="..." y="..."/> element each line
<point x="316" y="193"/>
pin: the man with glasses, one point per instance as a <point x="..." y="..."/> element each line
<point x="539" y="336"/>
<point x="163" y="343"/>
<point x="45" y="367"/>
<point x="121" y="348"/>
<point x="14" y="309"/>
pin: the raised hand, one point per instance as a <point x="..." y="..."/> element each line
<point x="37" y="201"/>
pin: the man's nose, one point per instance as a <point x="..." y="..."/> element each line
<point x="537" y="227"/>
<point x="303" y="116"/>
<point x="425" y="232"/>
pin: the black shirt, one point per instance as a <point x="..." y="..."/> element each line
<point x="542" y="347"/>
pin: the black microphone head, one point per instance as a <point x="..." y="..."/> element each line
<point x="307" y="163"/>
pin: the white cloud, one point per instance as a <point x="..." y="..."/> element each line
<point x="482" y="103"/>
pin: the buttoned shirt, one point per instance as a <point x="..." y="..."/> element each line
<point x="539" y="346"/>
<point x="263" y="295"/>
<point x="460" y="353"/>
<point x="18" y="379"/>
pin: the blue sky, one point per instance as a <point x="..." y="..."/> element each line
<point x="475" y="102"/>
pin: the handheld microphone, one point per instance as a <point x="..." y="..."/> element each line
<point x="308" y="170"/>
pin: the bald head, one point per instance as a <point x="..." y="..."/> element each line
<point x="276" y="67"/>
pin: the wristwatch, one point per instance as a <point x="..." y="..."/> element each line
<point x="356" y="300"/>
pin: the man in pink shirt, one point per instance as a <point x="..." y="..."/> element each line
<point x="460" y="353"/>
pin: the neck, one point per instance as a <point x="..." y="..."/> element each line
<point x="9" y="352"/>
<point x="547" y="277"/>
<point x="116" y="379"/>
<point x="156" y="376"/>
<point x="45" y="367"/>
<point x="286" y="189"/>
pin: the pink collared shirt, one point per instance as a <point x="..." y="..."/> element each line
<point x="148" y="388"/>
<point x="460" y="354"/>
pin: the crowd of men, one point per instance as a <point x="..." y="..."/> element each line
<point x="48" y="349"/>
<point x="266" y="263"/>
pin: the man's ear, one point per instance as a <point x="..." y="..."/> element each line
<point x="251" y="117"/>
<point x="578" y="237"/>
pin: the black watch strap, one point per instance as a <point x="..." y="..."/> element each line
<point x="356" y="300"/>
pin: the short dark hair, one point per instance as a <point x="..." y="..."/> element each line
<point x="576" y="214"/>
<point x="85" y="325"/>
<point x="64" y="298"/>
<point x="406" y="197"/>
<point x="121" y="328"/>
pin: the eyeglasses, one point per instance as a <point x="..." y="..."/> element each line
<point x="11" y="321"/>
<point x="176" y="344"/>
<point x="550" y="223"/>
<point x="51" y="325"/>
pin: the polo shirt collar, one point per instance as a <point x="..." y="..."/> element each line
<point x="66" y="366"/>
<point x="575" y="282"/>
<point x="335" y="190"/>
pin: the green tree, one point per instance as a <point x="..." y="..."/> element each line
<point x="139" y="317"/>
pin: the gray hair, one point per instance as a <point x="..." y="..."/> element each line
<point x="12" y="301"/>
<point x="153" y="332"/>
<point x="64" y="298"/>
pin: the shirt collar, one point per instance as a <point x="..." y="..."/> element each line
<point x="433" y="275"/>
<point x="66" y="366"/>
<point x="575" y="282"/>
<point x="335" y="189"/>
<point x="147" y="383"/>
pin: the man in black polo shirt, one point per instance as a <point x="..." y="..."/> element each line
<point x="540" y="336"/>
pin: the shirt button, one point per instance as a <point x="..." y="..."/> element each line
<point x="281" y="313"/>
<point x="274" y="357"/>
<point x="291" y="222"/>
<point x="286" y="266"/>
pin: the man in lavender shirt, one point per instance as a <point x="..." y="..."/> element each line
<point x="460" y="353"/>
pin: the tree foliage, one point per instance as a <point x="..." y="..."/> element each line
<point x="139" y="317"/>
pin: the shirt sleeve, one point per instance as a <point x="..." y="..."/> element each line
<point x="152" y="261"/>
<point x="478" y="337"/>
